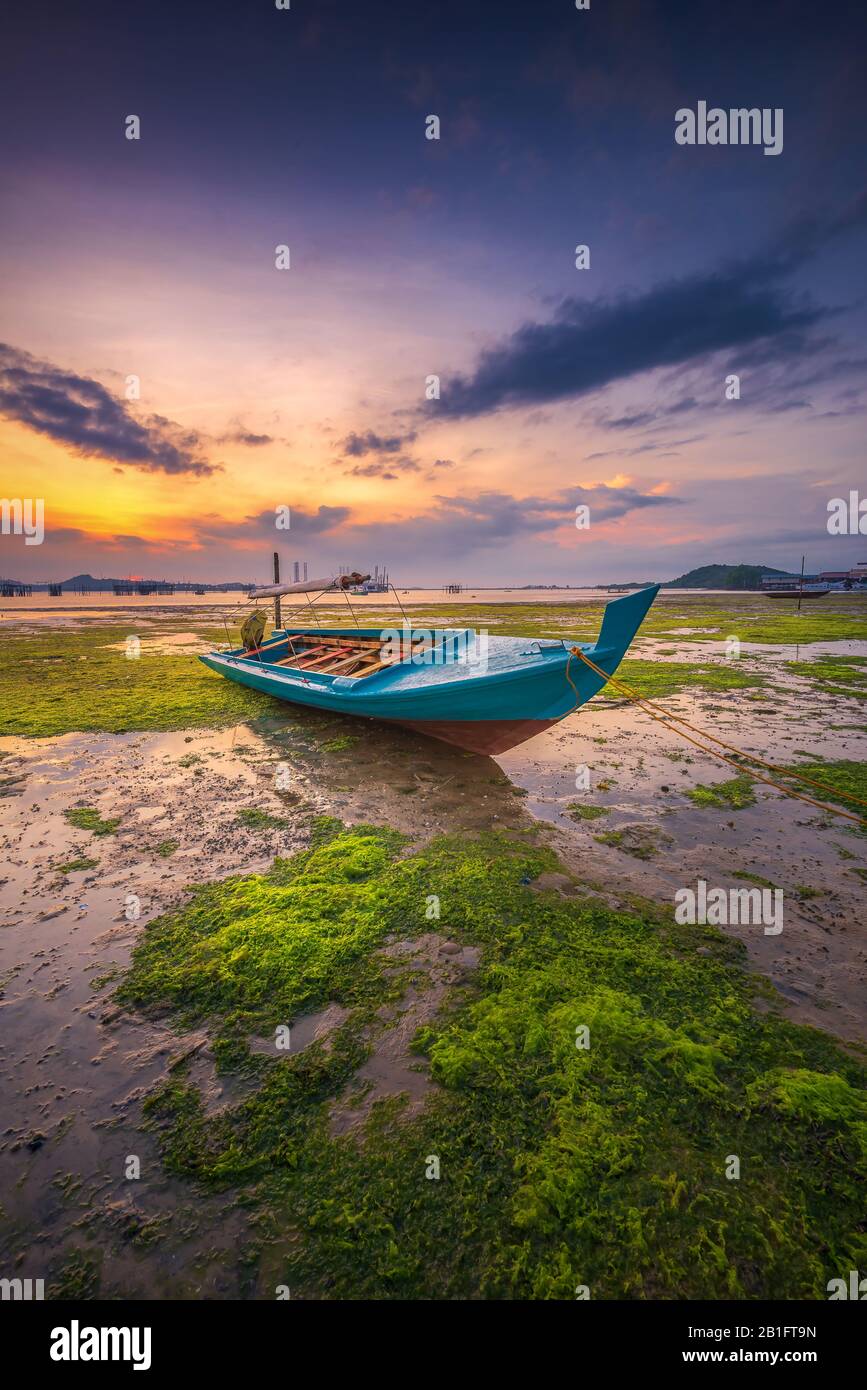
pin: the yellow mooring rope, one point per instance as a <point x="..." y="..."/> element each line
<point x="672" y="720"/>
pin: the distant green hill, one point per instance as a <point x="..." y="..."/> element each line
<point x="723" y="577"/>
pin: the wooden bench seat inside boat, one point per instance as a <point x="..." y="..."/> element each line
<point x="345" y="656"/>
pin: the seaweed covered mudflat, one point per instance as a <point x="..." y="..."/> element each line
<point x="593" y="1072"/>
<point x="293" y="1003"/>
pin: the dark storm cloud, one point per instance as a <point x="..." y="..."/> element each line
<point x="78" y="411"/>
<point x="587" y="346"/>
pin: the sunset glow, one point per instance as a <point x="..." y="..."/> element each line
<point x="410" y="258"/>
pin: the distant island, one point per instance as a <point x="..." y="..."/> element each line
<point x="723" y="577"/>
<point x="87" y="584"/>
<point x="705" y="577"/>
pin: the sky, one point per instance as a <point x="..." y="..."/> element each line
<point x="168" y="390"/>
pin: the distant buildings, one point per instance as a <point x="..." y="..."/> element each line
<point x="845" y="579"/>
<point x="856" y="575"/>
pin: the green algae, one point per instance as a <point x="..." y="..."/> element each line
<point x="78" y="1277"/>
<point x="255" y="819"/>
<point x="88" y="818"/>
<point x="579" y="811"/>
<point x="58" y="681"/>
<point x="75" y="866"/>
<point x="816" y="1098"/>
<point x="262" y="949"/>
<point x="640" y="841"/>
<point x="656" y="679"/>
<point x="835" y="675"/>
<point x="166" y="848"/>
<point x="748" y="877"/>
<point x="100" y="981"/>
<point x="775" y="629"/>
<point x="844" y="782"/>
<point x="734" y="795"/>
<point x="610" y="837"/>
<point x="561" y="1163"/>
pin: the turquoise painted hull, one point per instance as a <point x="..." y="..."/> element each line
<point x="486" y="699"/>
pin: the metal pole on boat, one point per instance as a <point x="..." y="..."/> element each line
<point x="801" y="588"/>
<point x="277" y="619"/>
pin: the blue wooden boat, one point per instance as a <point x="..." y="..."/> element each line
<point x="486" y="696"/>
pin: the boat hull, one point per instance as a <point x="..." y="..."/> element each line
<point x="486" y="736"/>
<point x="797" y="593"/>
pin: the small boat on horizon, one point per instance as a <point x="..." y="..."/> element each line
<point x="482" y="695"/>
<point x="807" y="591"/>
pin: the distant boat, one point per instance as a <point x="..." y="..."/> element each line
<point x="484" y="696"/>
<point x="807" y="591"/>
<point x="198" y="591"/>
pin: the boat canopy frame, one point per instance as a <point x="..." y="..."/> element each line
<point x="335" y="584"/>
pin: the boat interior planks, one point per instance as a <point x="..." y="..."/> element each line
<point x="337" y="655"/>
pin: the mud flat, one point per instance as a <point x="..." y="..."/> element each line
<point x="637" y="828"/>
<point x="285" y="963"/>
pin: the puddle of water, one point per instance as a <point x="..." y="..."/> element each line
<point x="167" y="644"/>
